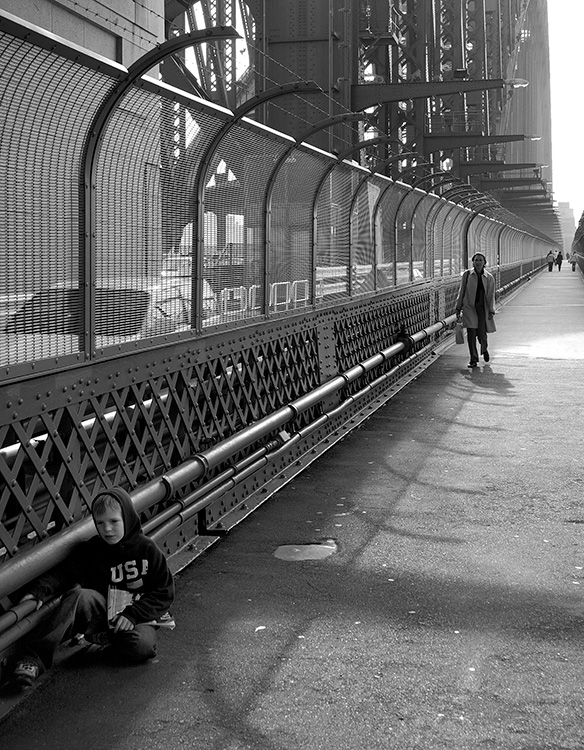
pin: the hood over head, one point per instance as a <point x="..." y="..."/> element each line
<point x="132" y="525"/>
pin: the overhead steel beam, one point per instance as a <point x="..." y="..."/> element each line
<point x="543" y="208"/>
<point x="442" y="142"/>
<point x="514" y="194"/>
<point x="530" y="207"/>
<point x="476" y="167"/>
<point x="526" y="200"/>
<point x="367" y="95"/>
<point x="509" y="182"/>
<point x="539" y="209"/>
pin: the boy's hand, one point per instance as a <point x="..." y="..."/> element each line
<point x="26" y="597"/>
<point x="122" y="623"/>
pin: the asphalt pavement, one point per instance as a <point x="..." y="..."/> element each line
<point x="445" y="611"/>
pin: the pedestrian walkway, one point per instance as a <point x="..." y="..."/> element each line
<point x="446" y="612"/>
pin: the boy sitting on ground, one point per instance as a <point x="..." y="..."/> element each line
<point x="118" y="590"/>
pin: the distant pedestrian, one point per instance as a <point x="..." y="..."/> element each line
<point x="550" y="257"/>
<point x="559" y="259"/>
<point x="476" y="302"/>
<point x="573" y="260"/>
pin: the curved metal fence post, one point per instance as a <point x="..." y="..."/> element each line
<point x="297" y="87"/>
<point x="95" y="135"/>
<point x="316" y="128"/>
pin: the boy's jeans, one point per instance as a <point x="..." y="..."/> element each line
<point x="85" y="611"/>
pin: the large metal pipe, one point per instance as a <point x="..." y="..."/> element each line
<point x="181" y="511"/>
<point x="26" y="624"/>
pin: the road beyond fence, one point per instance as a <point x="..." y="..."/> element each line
<point x="450" y="616"/>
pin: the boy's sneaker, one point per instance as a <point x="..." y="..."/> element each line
<point x="27" y="671"/>
<point x="98" y="639"/>
<point x="92" y="643"/>
<point x="164" y="621"/>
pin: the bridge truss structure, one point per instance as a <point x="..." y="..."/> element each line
<point x="211" y="268"/>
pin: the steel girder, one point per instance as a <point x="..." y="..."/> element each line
<point x="432" y="70"/>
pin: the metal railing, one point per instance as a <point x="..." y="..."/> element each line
<point x="16" y="573"/>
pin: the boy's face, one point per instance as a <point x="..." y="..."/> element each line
<point x="110" y="525"/>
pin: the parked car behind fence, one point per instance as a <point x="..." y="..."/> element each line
<point x="51" y="322"/>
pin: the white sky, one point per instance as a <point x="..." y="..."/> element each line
<point x="566" y="22"/>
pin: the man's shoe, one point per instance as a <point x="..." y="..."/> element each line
<point x="486" y="355"/>
<point x="27" y="671"/>
<point x="472" y="363"/>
